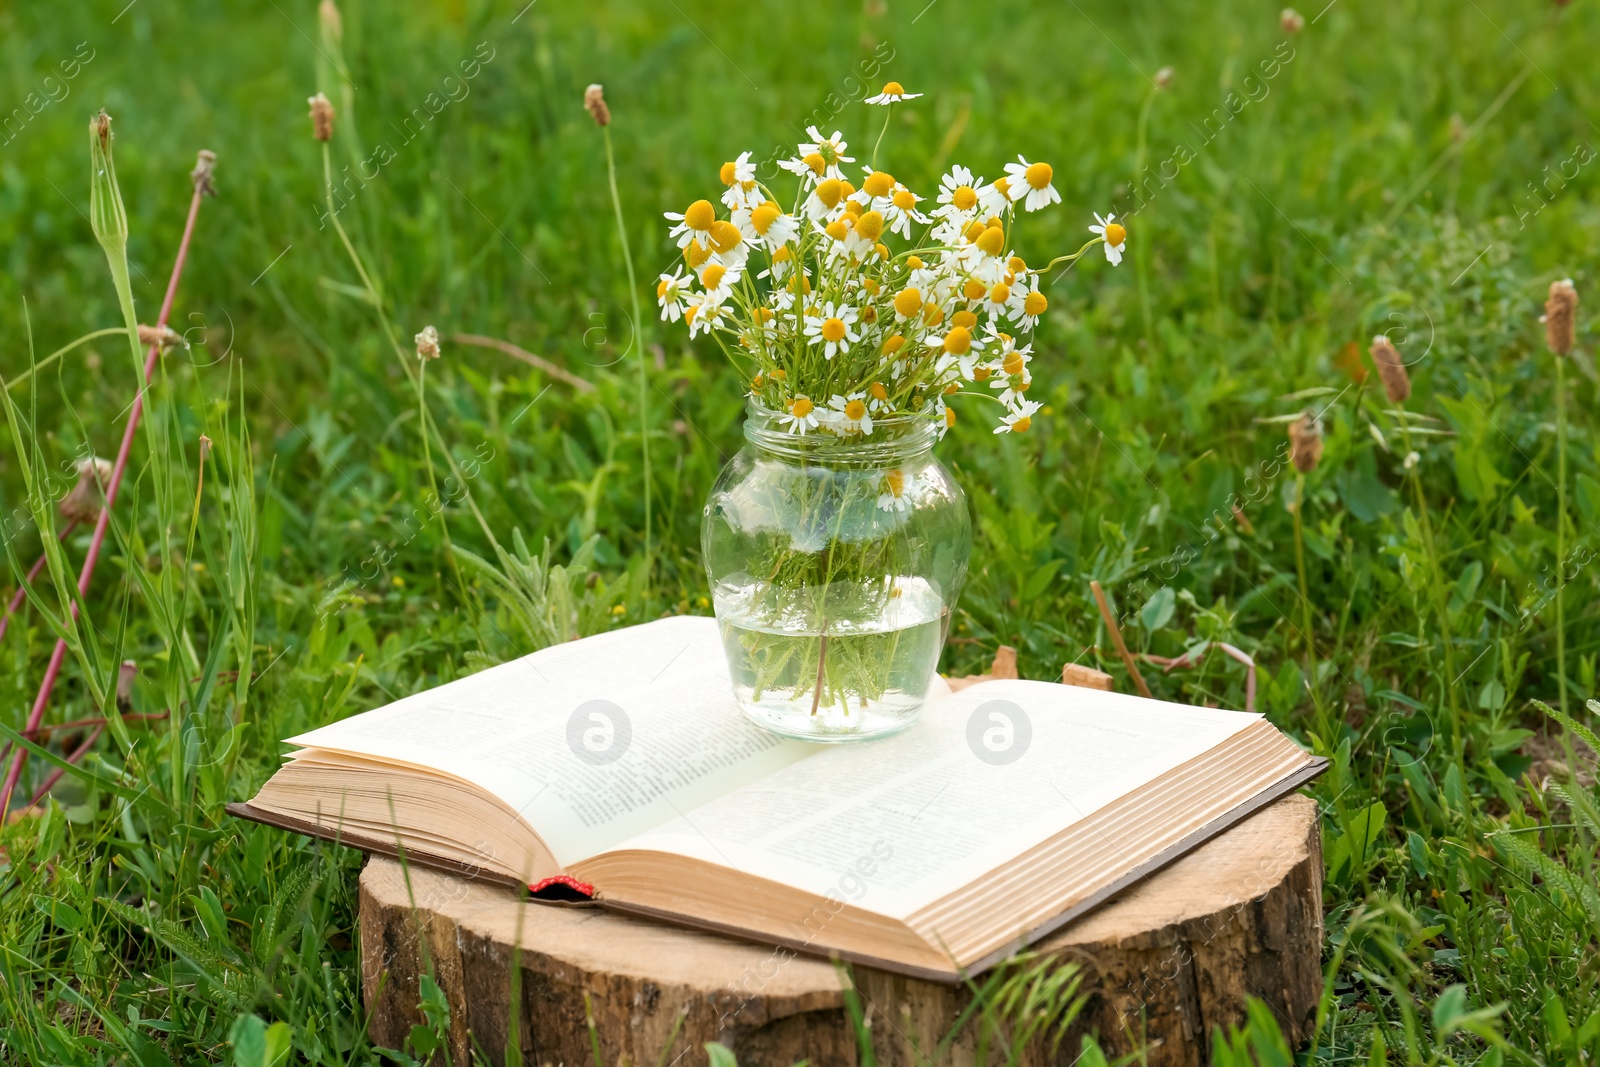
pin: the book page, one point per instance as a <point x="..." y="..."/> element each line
<point x="986" y="774"/>
<point x="590" y="742"/>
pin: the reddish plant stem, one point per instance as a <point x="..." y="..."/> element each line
<point x="98" y="720"/>
<point x="86" y="574"/>
<point x="33" y="573"/>
<point x="77" y="754"/>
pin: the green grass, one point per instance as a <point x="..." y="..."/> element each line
<point x="138" y="923"/>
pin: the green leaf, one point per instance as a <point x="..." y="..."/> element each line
<point x="1588" y="494"/>
<point x="720" y="1055"/>
<point x="1157" y="611"/>
<point x="255" y="1044"/>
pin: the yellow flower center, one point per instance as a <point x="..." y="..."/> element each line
<point x="1115" y="234"/>
<point x="1034" y="304"/>
<point x="780" y="374"/>
<point x="949" y="416"/>
<point x="870" y="225"/>
<point x="894" y="89"/>
<point x="905" y="200"/>
<point x="994" y="220"/>
<point x="981" y="374"/>
<point x="801" y="407"/>
<point x="974" y="289"/>
<point x="964" y="197"/>
<point x="1003" y="187"/>
<point x="855" y="409"/>
<point x="869" y="314"/>
<point x="763" y="314"/>
<point x="913" y="263"/>
<point x="895" y="482"/>
<point x="830" y="192"/>
<point x="755" y="383"/>
<point x="661" y="288"/>
<point x="700" y="215"/>
<point x="837" y="229"/>
<point x="762" y="218"/>
<point x="854" y="209"/>
<point x="782" y="255"/>
<point x="1015" y="265"/>
<point x="815" y="162"/>
<point x="957" y="341"/>
<point x="1000" y="293"/>
<point x="847" y="188"/>
<point x="881" y="249"/>
<point x="878" y="183"/>
<point x="688" y="316"/>
<point x="1013" y="363"/>
<point x="878" y="393"/>
<point x="833" y="330"/>
<point x="974" y="231"/>
<point x="729" y="173"/>
<point x="870" y="285"/>
<point x="695" y="256"/>
<point x="992" y="241"/>
<point x="893" y="344"/>
<point x="933" y="314"/>
<point x="952" y="389"/>
<point x="1039" y="175"/>
<point x="1022" y="424"/>
<point x="725" y="236"/>
<point x="712" y="276"/>
<point x="907" y="302"/>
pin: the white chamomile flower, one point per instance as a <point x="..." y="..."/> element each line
<point x="800" y="416"/>
<point x="878" y="398"/>
<point x="995" y="198"/>
<point x="1025" y="313"/>
<point x="1030" y="183"/>
<point x="1019" y="418"/>
<point x="694" y="224"/>
<point x="703" y="313"/>
<point x="898" y="487"/>
<point x="810" y="169"/>
<point x="900" y="211"/>
<point x="719" y="280"/>
<point x="958" y="192"/>
<point x="739" y="176"/>
<point x="782" y="264"/>
<point x="671" y="289"/>
<point x="1115" y="234"/>
<point x="893" y="93"/>
<point x="850" y="414"/>
<point x="1013" y="387"/>
<point x="831" y="149"/>
<point x="766" y="226"/>
<point x="999" y="300"/>
<point x="832" y="326"/>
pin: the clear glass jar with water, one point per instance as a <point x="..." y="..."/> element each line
<point x="835" y="564"/>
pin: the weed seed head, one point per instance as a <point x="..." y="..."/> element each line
<point x="428" y="343"/>
<point x="107" y="217"/>
<point x="82" y="504"/>
<point x="321" y="117"/>
<point x="1305" y="442"/>
<point x="1164" y="76"/>
<point x="594" y="101"/>
<point x="1291" y="21"/>
<point x="205" y="167"/>
<point x="1560" y="313"/>
<point x="1391" y="368"/>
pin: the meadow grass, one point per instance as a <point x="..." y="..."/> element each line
<point x="1409" y="168"/>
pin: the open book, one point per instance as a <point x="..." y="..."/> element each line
<point x="619" y="766"/>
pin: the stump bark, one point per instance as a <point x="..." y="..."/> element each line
<point x="1164" y="963"/>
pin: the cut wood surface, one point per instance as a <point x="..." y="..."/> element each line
<point x="1166" y="962"/>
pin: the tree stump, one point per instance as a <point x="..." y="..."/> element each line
<point x="1166" y="962"/>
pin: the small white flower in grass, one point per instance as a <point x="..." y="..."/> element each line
<point x="833" y="326"/>
<point x="832" y="150"/>
<point x="958" y="193"/>
<point x="694" y="224"/>
<point x="1030" y="183"/>
<point x="671" y="290"/>
<point x="1018" y="419"/>
<point x="800" y="416"/>
<point x="1115" y="234"/>
<point x="739" y="176"/>
<point x="893" y="93"/>
<point x="850" y="414"/>
<point x="897" y="490"/>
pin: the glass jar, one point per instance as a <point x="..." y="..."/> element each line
<point x="835" y="564"/>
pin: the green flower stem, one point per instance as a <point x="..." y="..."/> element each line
<point x="1561" y="528"/>
<point x="1436" y="581"/>
<point x="638" y="339"/>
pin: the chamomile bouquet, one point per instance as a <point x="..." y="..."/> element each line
<point x="834" y="325"/>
